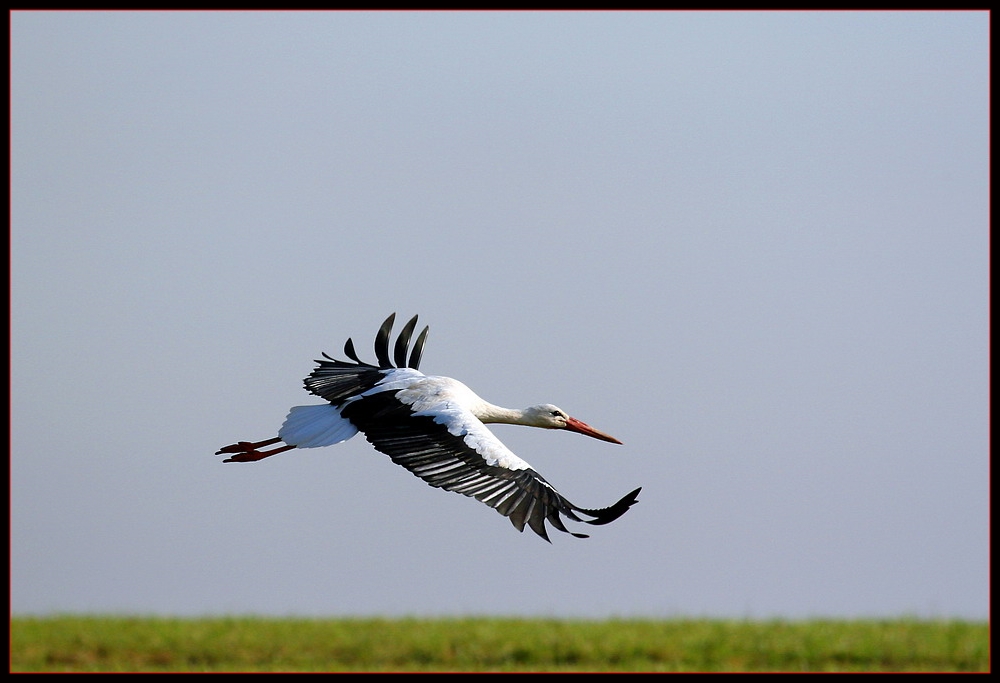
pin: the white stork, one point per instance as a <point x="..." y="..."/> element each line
<point x="434" y="427"/>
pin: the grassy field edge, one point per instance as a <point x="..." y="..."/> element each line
<point x="249" y="643"/>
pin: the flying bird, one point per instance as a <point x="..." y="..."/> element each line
<point x="436" y="428"/>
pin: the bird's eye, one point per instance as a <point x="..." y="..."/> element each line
<point x="556" y="413"/>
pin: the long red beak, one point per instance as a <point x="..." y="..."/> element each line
<point x="574" y="425"/>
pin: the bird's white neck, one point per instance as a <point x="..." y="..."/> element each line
<point x="489" y="413"/>
<point x="444" y="388"/>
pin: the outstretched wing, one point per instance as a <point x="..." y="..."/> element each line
<point x="450" y="448"/>
<point x="337" y="381"/>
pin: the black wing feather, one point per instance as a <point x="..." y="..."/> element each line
<point x="351" y="353"/>
<point x="336" y="380"/>
<point x="403" y="342"/>
<point x="382" y="342"/>
<point x="418" y="349"/>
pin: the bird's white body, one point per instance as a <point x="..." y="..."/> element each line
<point x="436" y="428"/>
<point x="448" y="401"/>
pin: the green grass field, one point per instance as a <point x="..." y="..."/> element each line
<point x="97" y="643"/>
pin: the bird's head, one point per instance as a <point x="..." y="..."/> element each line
<point x="550" y="417"/>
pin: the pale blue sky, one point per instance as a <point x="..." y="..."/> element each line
<point x="752" y="246"/>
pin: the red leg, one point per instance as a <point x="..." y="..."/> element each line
<point x="246" y="451"/>
<point x="252" y="455"/>
<point x="246" y="446"/>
